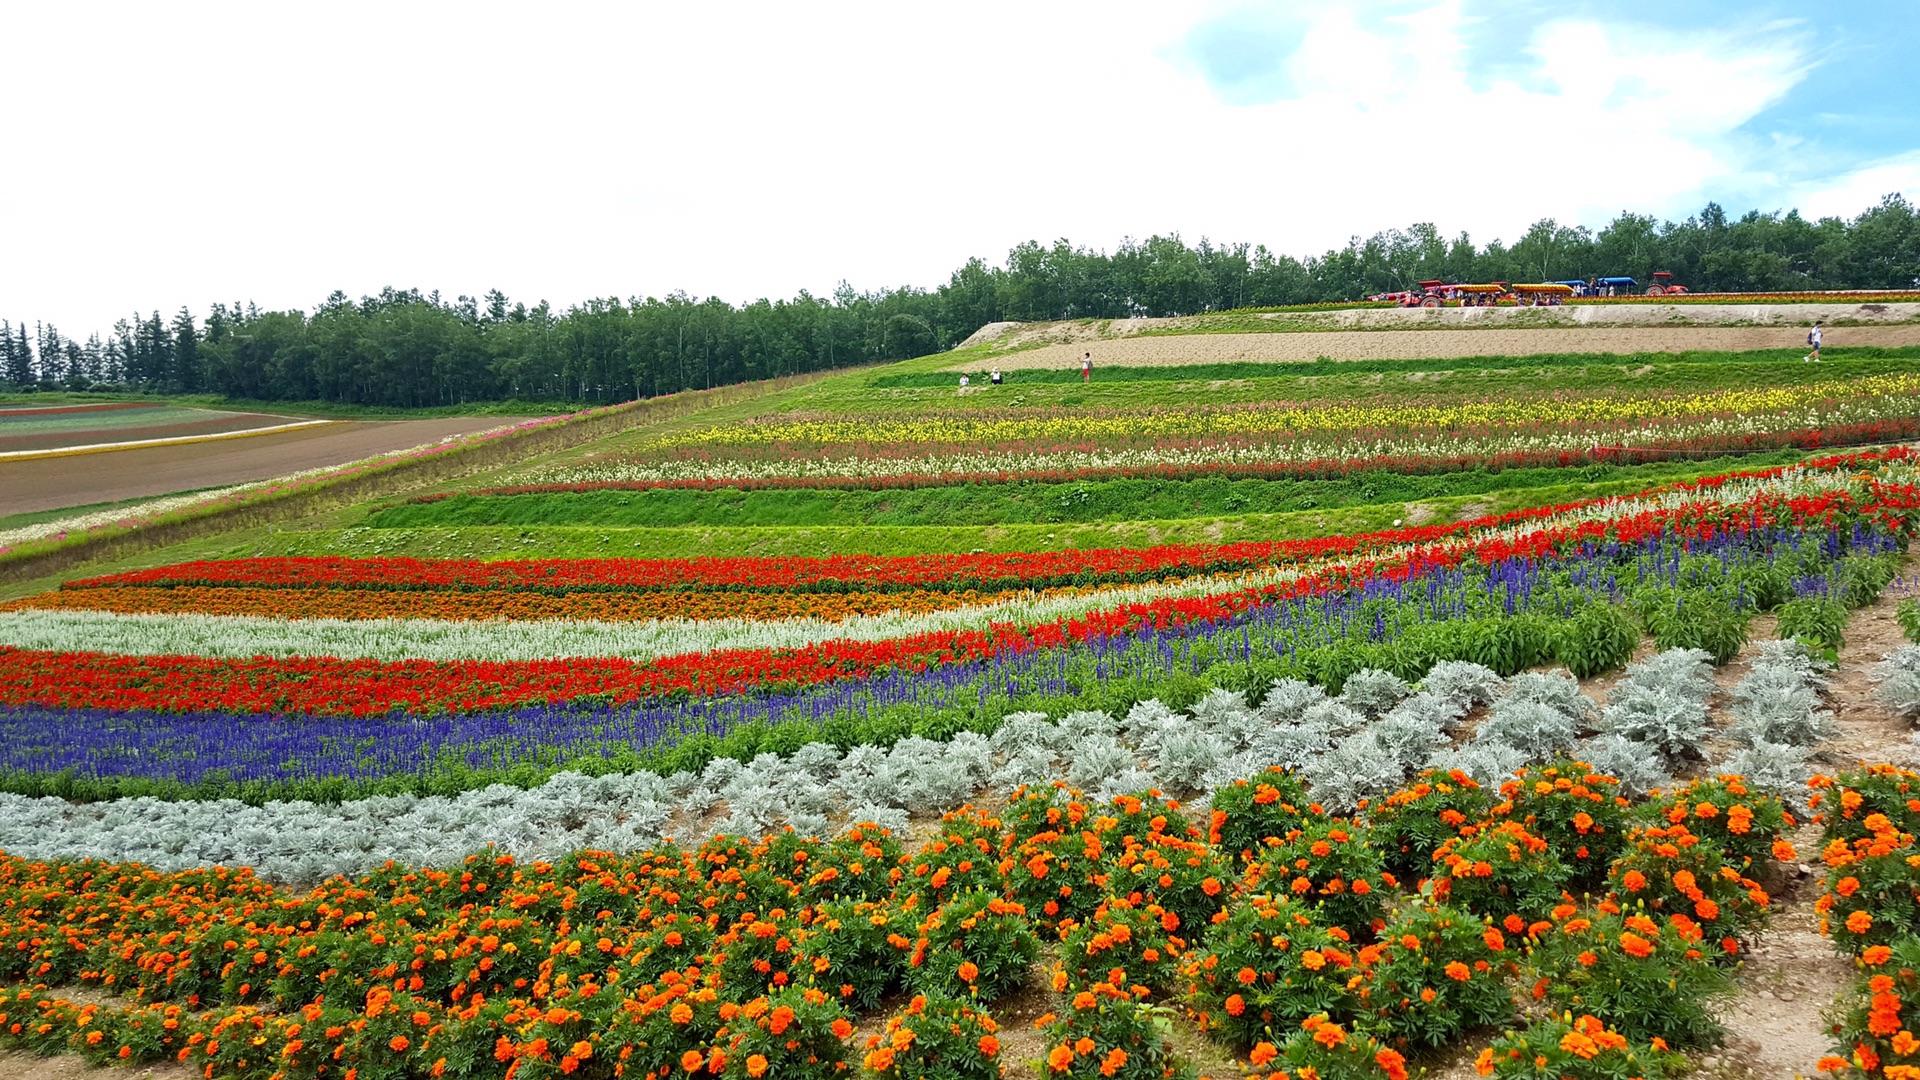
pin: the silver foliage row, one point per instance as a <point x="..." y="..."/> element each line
<point x="1370" y="739"/>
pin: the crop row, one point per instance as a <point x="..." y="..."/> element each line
<point x="333" y="686"/>
<point x="1301" y="940"/>
<point x="1272" y="454"/>
<point x="861" y="573"/>
<point x="1692" y="577"/>
<point x="451" y="605"/>
<point x="1358" y="746"/>
<point x="1335" y="468"/>
<point x="1872" y="392"/>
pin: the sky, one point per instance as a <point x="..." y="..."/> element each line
<point x="182" y="154"/>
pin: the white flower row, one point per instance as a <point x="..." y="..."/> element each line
<point x="75" y="522"/>
<point x="1309" y="448"/>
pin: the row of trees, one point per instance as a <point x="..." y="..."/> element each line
<point x="402" y="348"/>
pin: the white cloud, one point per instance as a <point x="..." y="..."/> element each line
<point x="1847" y="195"/>
<point x="167" y="155"/>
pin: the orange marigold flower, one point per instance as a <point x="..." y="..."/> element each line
<point x="756" y="1065"/>
<point x="1060" y="1058"/>
<point x="969" y="971"/>
<point x="989" y="1045"/>
<point x="398" y="1043"/>
<point x="1236" y="1005"/>
<point x="1247" y="976"/>
<point x="1859" y="922"/>
<point x="1579" y="1045"/>
<point x="1458" y="972"/>
<point x="842" y="1028"/>
<point x="1392" y="1063"/>
<point x="1329" y="1035"/>
<point x="1635" y="945"/>
<point x="1313" y="960"/>
<point x="1263" y="1053"/>
<point x="1877" y="954"/>
<point x="692" y="1060"/>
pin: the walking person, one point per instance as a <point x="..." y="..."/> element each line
<point x="995" y="377"/>
<point x="1813" y="339"/>
<point x="1086" y="368"/>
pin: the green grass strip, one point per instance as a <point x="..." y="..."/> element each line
<point x="588" y="542"/>
<point x="1324" y="366"/>
<point x="1025" y="503"/>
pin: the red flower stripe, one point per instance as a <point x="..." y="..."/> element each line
<point x="839" y="572"/>
<point x="328" y="686"/>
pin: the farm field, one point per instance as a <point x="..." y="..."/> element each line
<point x="30" y="430"/>
<point x="1516" y="716"/>
<point x="135" y="472"/>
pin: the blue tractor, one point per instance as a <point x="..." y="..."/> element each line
<point x="1624" y="286"/>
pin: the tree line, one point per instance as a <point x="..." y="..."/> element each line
<point x="405" y="349"/>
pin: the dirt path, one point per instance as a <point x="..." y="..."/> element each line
<point x="141" y="472"/>
<point x="18" y="1065"/>
<point x="1792" y="974"/>
<point x="1162" y="350"/>
<point x="1022" y="334"/>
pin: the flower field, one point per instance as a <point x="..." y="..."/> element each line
<point x="934" y="446"/>
<point x="1514" y="792"/>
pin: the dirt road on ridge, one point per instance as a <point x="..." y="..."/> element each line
<point x="1162" y="350"/>
<point x="50" y="483"/>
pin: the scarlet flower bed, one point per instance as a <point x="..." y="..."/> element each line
<point x="339" y="687"/>
<point x="850" y="573"/>
<point x="360" y="687"/>
<point x="464" y="605"/>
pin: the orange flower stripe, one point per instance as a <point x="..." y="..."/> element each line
<point x="455" y="606"/>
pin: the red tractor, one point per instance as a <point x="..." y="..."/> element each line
<point x="1663" y="285"/>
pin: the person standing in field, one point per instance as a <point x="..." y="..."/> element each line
<point x="1086" y="368"/>
<point x="1813" y="339"/>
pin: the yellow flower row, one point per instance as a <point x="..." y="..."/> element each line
<point x="1220" y="422"/>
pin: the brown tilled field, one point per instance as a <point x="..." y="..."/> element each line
<point x="213" y="423"/>
<point x="140" y="472"/>
<point x="1162" y="350"/>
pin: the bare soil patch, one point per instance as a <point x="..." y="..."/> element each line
<point x="1165" y="350"/>
<point x="1015" y="335"/>
<point x="212" y="424"/>
<point x="18" y="1065"/>
<point x="143" y="472"/>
